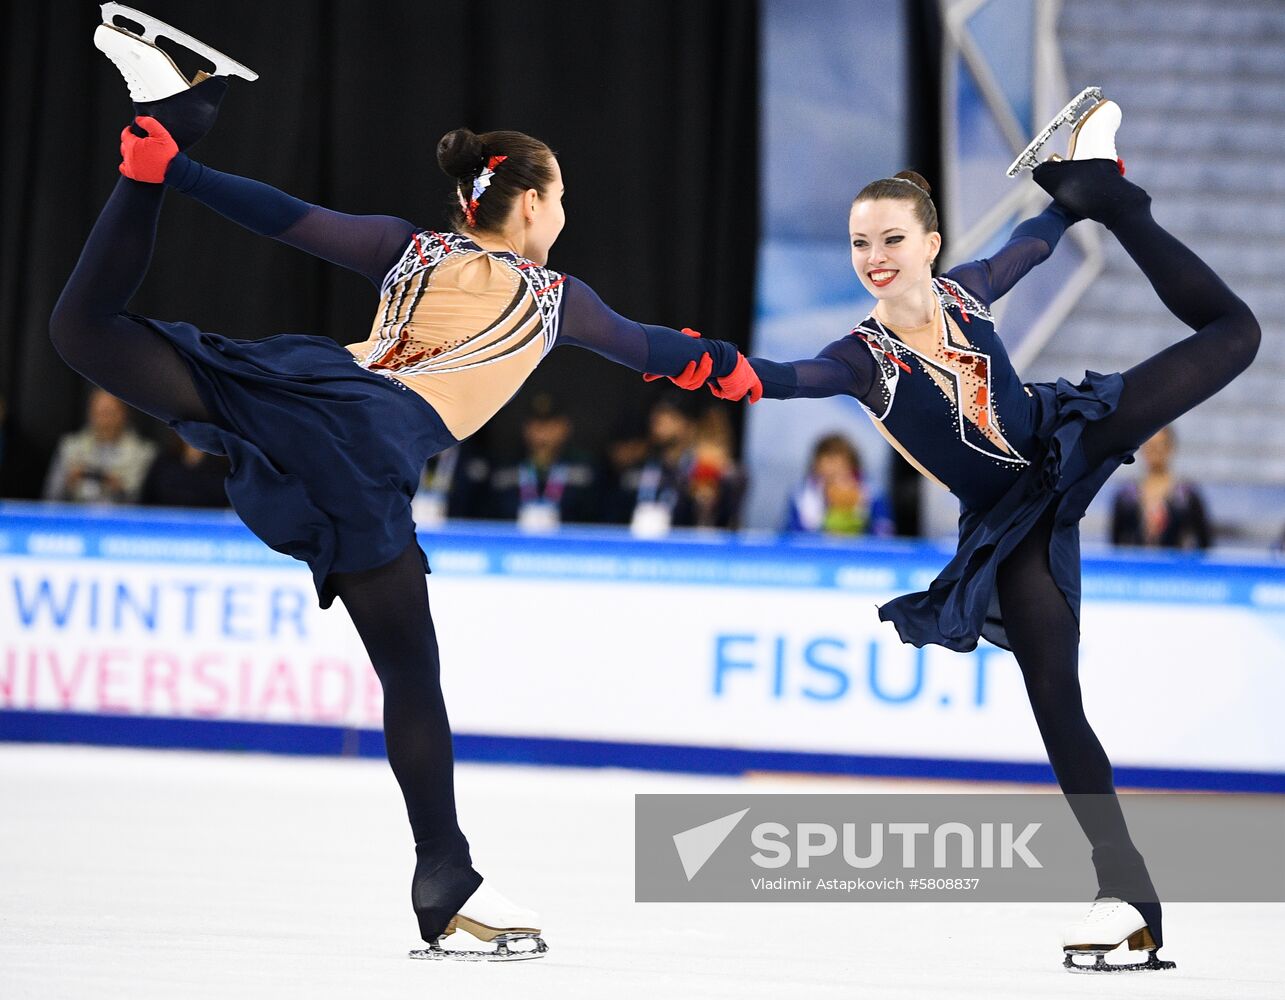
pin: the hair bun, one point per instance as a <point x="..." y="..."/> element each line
<point x="905" y="175"/>
<point x="459" y="154"/>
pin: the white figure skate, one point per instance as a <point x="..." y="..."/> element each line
<point x="1110" y="923"/>
<point x="151" y="74"/>
<point x="1092" y="136"/>
<point x="491" y="918"/>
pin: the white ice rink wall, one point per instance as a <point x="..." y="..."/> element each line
<point x="590" y="648"/>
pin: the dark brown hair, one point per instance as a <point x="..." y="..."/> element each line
<point x="837" y="444"/>
<point x="463" y="155"/>
<point x="905" y="186"/>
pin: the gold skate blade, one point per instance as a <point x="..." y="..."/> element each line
<point x="501" y="938"/>
<point x="1101" y="965"/>
<point x="153" y="28"/>
<point x="484" y="933"/>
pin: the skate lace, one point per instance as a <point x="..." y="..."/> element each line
<point x="1101" y="910"/>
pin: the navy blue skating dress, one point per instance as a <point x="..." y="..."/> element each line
<point x="327" y="443"/>
<point x="947" y="397"/>
<point x="325" y="456"/>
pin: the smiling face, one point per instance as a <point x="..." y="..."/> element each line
<point x="891" y="252"/>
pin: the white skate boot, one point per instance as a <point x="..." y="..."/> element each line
<point x="151" y="74"/>
<point x="1110" y="923"/>
<point x="1096" y="121"/>
<point x="492" y="918"/>
<point x="1093" y="137"/>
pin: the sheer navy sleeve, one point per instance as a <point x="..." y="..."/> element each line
<point x="1030" y="244"/>
<point x="367" y="244"/>
<point x="587" y="322"/>
<point x="844" y="368"/>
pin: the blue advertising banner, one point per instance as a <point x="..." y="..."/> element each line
<point x="698" y="653"/>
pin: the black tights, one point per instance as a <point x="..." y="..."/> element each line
<point x="388" y="605"/>
<point x="1041" y="626"/>
<point x="90" y="327"/>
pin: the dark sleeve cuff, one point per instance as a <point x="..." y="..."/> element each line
<point x="668" y="352"/>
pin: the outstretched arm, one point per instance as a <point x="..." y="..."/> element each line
<point x="1031" y="243"/>
<point x="367" y="244"/>
<point x="587" y="322"/>
<point x="844" y="368"/>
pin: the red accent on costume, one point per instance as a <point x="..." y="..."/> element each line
<point x="550" y="287"/>
<point x="419" y="249"/>
<point x="146" y="157"/>
<point x="955" y="295"/>
<point x="887" y="354"/>
<point x="742" y="382"/>
<point x="1120" y="163"/>
<point x="694" y="375"/>
<point x="495" y="161"/>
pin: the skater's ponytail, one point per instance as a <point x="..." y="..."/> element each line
<point x="489" y="171"/>
<point x="905" y="186"/>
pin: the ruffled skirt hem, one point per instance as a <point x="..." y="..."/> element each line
<point x="961" y="605"/>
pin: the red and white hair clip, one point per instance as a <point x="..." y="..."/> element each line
<point x="480" y="184"/>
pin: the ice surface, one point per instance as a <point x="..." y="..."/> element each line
<point x="146" y="874"/>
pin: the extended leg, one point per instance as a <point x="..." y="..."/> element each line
<point x="90" y="328"/>
<point x="1044" y="635"/>
<point x="389" y="607"/>
<point x="1165" y="386"/>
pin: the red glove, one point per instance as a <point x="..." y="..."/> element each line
<point x="146" y="157"/>
<point x="743" y="381"/>
<point x="694" y="375"/>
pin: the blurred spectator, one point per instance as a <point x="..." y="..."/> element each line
<point x="551" y="483"/>
<point x="1160" y="511"/>
<point x="105" y="462"/>
<point x="183" y="476"/>
<point x="834" y="499"/>
<point x="626" y="453"/>
<point x="688" y="477"/>
<point x="716" y="485"/>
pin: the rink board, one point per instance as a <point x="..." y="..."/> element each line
<point x="589" y="648"/>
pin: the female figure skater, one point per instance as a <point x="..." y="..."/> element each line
<point x="327" y="443"/>
<point x="1024" y="460"/>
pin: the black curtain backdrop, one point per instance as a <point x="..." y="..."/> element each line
<point x="652" y="107"/>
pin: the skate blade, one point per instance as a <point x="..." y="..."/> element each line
<point x="1101" y="965"/>
<point x="153" y="28"/>
<point x="1028" y="158"/>
<point x="502" y="953"/>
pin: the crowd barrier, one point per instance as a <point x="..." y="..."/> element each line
<point x="587" y="647"/>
